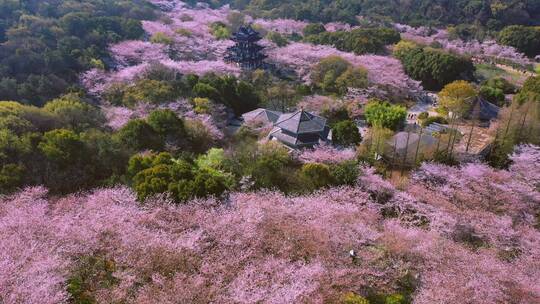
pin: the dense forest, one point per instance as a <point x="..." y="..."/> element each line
<point x="44" y="45"/>
<point x="494" y="14"/>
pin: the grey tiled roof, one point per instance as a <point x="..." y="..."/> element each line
<point x="484" y="110"/>
<point x="284" y="138"/>
<point x="399" y="141"/>
<point x="262" y="114"/>
<point x="301" y="122"/>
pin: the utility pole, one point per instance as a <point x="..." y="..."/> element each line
<point x="418" y="146"/>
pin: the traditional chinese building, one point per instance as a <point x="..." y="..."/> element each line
<point x="301" y="129"/>
<point x="246" y="52"/>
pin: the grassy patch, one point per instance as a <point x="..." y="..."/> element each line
<point x="488" y="71"/>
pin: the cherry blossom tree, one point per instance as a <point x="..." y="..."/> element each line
<point x="383" y="72"/>
<point x="327" y="154"/>
<point x="450" y="233"/>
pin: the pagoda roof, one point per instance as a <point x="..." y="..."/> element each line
<point x="301" y="122"/>
<point x="246" y="33"/>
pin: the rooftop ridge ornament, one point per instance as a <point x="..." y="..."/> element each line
<point x="246" y="52"/>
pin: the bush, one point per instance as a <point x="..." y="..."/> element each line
<point x="169" y="126"/>
<point x="149" y="90"/>
<point x="385" y="115"/>
<point x="423" y="115"/>
<point x="530" y="91"/>
<point x="345" y="173"/>
<point x="335" y="74"/>
<point x="345" y="133"/>
<point x="220" y="30"/>
<point x="352" y="298"/>
<point x="138" y="135"/>
<point x="438" y="119"/>
<point x="316" y="175"/>
<point x="277" y="38"/>
<point x="493" y="95"/>
<point x="313" y="29"/>
<point x="202" y="105"/>
<point x="162" y="38"/>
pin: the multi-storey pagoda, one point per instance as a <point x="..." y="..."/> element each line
<point x="246" y="52"/>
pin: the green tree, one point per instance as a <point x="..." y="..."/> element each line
<point x="247" y="98"/>
<point x="530" y="91"/>
<point x="204" y="90"/>
<point x="277" y="38"/>
<point x="151" y="181"/>
<point x="384" y="114"/>
<point x="525" y="39"/>
<point x="149" y="90"/>
<point x="435" y="68"/>
<point x="74" y="113"/>
<point x="269" y="167"/>
<point x="458" y="97"/>
<point x="345" y="133"/>
<point x="162" y="38"/>
<point x="220" y="30"/>
<point x="11" y="177"/>
<point x="61" y="146"/>
<point x="359" y="41"/>
<point x="353" y="77"/>
<point x="327" y="71"/>
<point x="138" y="135"/>
<point x="345" y="173"/>
<point x="352" y="298"/>
<point x="209" y="183"/>
<point x="493" y="95"/>
<point x="316" y="176"/>
<point x="313" y="29"/>
<point x="169" y="126"/>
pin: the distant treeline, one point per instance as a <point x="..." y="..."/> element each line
<point x="490" y="13"/>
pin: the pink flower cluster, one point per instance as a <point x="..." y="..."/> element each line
<point x="282" y="26"/>
<point x="456" y="233"/>
<point x="485" y="49"/>
<point x="384" y="72"/>
<point x="133" y="52"/>
<point x="193" y="50"/>
<point x="214" y="122"/>
<point x="338" y="26"/>
<point x="327" y="154"/>
<point x="202" y="67"/>
<point x="319" y="103"/>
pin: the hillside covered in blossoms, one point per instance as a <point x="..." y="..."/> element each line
<point x="254" y="151"/>
<point x="450" y="234"/>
